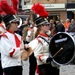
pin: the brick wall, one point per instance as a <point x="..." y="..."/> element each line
<point x="49" y="1"/>
<point x="71" y="0"/>
<point x="61" y="14"/>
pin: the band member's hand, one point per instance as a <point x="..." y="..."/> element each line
<point x="49" y="59"/>
<point x="26" y="46"/>
<point x="21" y="47"/>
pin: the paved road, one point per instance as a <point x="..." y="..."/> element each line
<point x="64" y="70"/>
<point x="26" y="67"/>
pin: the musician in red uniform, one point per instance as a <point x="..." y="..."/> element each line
<point x="11" y="46"/>
<point x="2" y="29"/>
<point x="40" y="46"/>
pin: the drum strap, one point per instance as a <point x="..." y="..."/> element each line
<point x="44" y="39"/>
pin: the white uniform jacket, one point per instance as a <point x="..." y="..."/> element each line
<point x="10" y="50"/>
<point x="41" y="49"/>
<point x="31" y="34"/>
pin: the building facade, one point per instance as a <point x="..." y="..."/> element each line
<point x="70" y="8"/>
<point x="58" y="9"/>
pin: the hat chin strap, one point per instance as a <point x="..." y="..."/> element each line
<point x="20" y="22"/>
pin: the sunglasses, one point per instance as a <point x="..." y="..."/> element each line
<point x="45" y="25"/>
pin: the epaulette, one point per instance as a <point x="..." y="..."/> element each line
<point x="39" y="40"/>
<point x="1" y="26"/>
<point x="3" y="34"/>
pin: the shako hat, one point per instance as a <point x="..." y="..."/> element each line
<point x="41" y="21"/>
<point x="38" y="9"/>
<point x="8" y="19"/>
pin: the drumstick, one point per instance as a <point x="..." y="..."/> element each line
<point x="57" y="52"/>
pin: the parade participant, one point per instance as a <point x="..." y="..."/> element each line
<point x="31" y="32"/>
<point x="11" y="47"/>
<point x="41" y="51"/>
<point x="2" y="25"/>
<point x="40" y="46"/>
<point x="30" y="36"/>
<point x="2" y="29"/>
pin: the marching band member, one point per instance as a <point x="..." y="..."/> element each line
<point x="11" y="47"/>
<point x="30" y="36"/>
<point x="2" y="25"/>
<point x="40" y="46"/>
<point x="31" y="32"/>
<point x="2" y="29"/>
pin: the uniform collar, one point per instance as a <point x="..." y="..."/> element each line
<point x="10" y="31"/>
<point x="45" y="35"/>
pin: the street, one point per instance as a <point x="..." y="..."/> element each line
<point x="26" y="67"/>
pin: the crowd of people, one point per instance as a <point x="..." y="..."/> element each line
<point x="14" y="40"/>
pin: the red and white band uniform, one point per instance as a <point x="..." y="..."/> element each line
<point x="31" y="33"/>
<point x="40" y="48"/>
<point x="2" y="27"/>
<point x="10" y="49"/>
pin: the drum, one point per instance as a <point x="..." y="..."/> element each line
<point x="62" y="48"/>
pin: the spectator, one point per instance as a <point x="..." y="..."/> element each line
<point x="30" y="36"/>
<point x="52" y="27"/>
<point x="72" y="26"/>
<point x="20" y="29"/>
<point x="66" y="24"/>
<point x="60" y="27"/>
